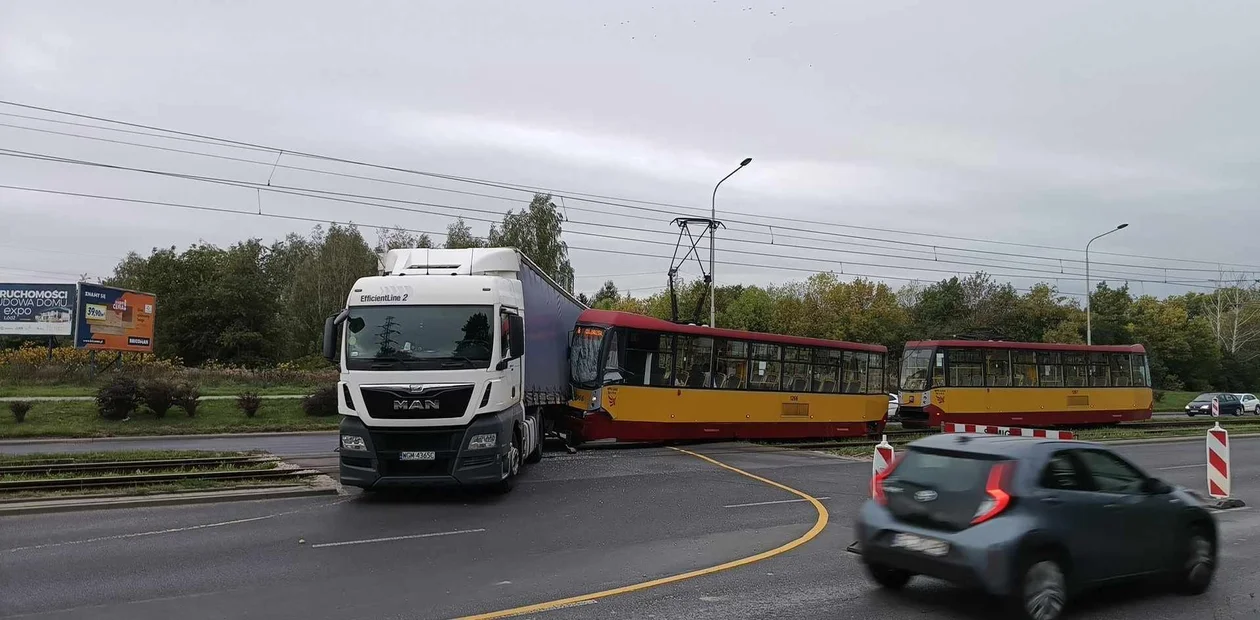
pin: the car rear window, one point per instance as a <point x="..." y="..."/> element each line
<point x="944" y="472"/>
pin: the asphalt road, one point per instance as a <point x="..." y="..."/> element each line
<point x="576" y="524"/>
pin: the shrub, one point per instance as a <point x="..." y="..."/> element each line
<point x="118" y="398"/>
<point x="1159" y="396"/>
<point x="158" y="395"/>
<point x="188" y="398"/>
<point x="323" y="403"/>
<point x="249" y="402"/>
<point x="20" y="409"/>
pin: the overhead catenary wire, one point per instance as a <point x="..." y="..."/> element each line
<point x="344" y="197"/>
<point x="588" y="196"/>
<point x="858" y="240"/>
<point x="224" y="210"/>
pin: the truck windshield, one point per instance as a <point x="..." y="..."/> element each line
<point x="419" y="337"/>
<point x="916" y="369"/>
<point x="584" y="364"/>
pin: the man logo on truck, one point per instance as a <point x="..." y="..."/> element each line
<point x="415" y="404"/>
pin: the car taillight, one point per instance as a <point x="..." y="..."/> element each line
<point x="877" y="482"/>
<point x="996" y="496"/>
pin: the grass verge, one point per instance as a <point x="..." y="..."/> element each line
<point x="79" y="419"/>
<point x="58" y="458"/>
<point x="64" y="391"/>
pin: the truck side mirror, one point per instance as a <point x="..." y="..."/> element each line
<point x="331" y="324"/>
<point x="516" y="330"/>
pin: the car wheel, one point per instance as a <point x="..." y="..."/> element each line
<point x="1042" y="591"/>
<point x="1198" y="563"/>
<point x="889" y="577"/>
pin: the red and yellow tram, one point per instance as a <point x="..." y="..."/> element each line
<point x="1023" y="384"/>
<point x="636" y="378"/>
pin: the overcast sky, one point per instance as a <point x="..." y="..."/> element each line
<point x="1038" y="123"/>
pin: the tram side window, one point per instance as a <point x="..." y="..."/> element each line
<point x="1024" y="368"/>
<point x="695" y="360"/>
<point x="1075" y="370"/>
<point x="1050" y="369"/>
<point x="764" y="371"/>
<point x="1140" y="378"/>
<point x="998" y="367"/>
<point x="796" y="369"/>
<point x="966" y="368"/>
<point x="731" y="365"/>
<point x="1120" y="370"/>
<point x="855" y="372"/>
<point x="826" y="371"/>
<point x="875" y="380"/>
<point x="649" y="359"/>
<point x="1099" y="371"/>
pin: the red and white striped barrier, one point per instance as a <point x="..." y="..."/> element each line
<point x="1218" y="462"/>
<point x="951" y="427"/>
<point x="1216" y="407"/>
<point x="883" y="459"/>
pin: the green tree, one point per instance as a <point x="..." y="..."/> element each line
<point x="606" y="297"/>
<point x="399" y="238"/>
<point x="536" y="232"/>
<point x="459" y="236"/>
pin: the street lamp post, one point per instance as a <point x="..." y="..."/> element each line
<point x="712" y="250"/>
<point x="1089" y="293"/>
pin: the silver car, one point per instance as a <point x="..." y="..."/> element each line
<point x="1034" y="521"/>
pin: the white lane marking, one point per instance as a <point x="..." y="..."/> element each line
<point x="1182" y="466"/>
<point x="174" y="530"/>
<point x="393" y="538"/>
<point x="781" y="501"/>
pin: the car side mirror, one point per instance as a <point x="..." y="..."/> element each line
<point x="1155" y="486"/>
<point x="502" y="365"/>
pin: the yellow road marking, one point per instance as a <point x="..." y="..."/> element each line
<point x="580" y="599"/>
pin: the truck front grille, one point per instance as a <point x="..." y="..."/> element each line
<point x="421" y="403"/>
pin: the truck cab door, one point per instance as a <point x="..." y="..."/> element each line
<point x="512" y="352"/>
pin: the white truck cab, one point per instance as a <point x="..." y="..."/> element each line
<point x="433" y="385"/>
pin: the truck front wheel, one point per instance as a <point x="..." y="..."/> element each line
<point x="512" y="465"/>
<point x="535" y="455"/>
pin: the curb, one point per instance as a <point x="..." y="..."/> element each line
<point x="182" y="499"/>
<point x="16" y="442"/>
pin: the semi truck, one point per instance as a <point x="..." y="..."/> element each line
<point x="450" y="361"/>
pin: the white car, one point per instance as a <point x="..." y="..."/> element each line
<point x="1250" y="403"/>
<point x="893" y="405"/>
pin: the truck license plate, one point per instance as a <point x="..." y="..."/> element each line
<point x="417" y="456"/>
<point x="912" y="542"/>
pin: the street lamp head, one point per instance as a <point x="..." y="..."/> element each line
<point x="748" y="160"/>
<point x="1122" y="226"/>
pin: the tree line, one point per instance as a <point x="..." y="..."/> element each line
<point x="1196" y="341"/>
<point x="254" y="304"/>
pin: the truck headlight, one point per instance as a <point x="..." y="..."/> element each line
<point x="481" y="442"/>
<point x="353" y="442"/>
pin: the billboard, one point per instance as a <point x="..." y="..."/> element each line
<point x="113" y="319"/>
<point x="37" y="309"/>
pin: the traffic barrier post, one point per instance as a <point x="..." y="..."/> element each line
<point x="883" y="458"/>
<point x="1218" y="474"/>
<point x="1216" y="407"/>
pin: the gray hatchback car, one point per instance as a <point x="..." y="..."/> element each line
<point x="1034" y="521"/>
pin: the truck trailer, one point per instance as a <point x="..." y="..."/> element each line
<point x="450" y="362"/>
